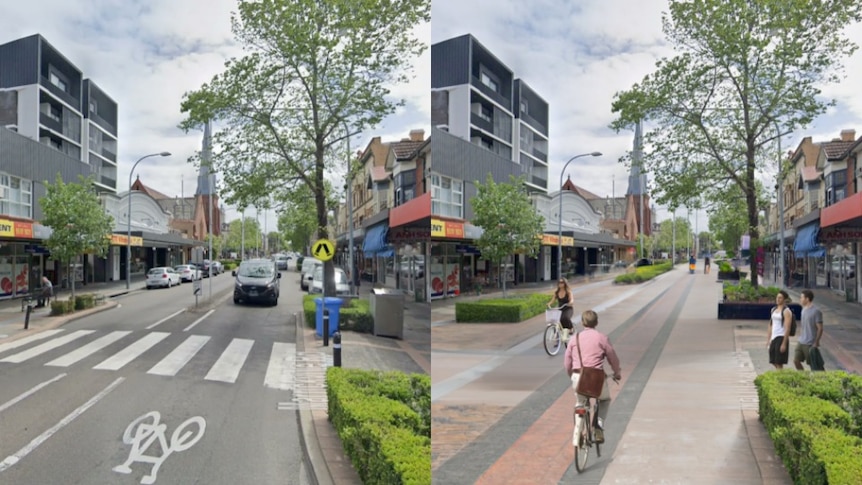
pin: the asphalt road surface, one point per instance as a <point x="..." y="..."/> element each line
<point x="156" y="391"/>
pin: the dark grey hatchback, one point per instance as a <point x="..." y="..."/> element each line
<point x="256" y="281"/>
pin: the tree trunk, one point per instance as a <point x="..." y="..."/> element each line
<point x="71" y="276"/>
<point x="753" y="221"/>
<point x="322" y="220"/>
<point x="503" y="278"/>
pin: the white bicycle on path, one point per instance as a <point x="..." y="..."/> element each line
<point x="556" y="336"/>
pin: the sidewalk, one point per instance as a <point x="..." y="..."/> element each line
<point x="358" y="351"/>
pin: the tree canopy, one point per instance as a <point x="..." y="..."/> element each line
<point x="509" y="222"/>
<point x="745" y="73"/>
<point x="78" y="222"/>
<point x="314" y="73"/>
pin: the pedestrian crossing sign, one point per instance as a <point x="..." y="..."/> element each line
<point x="323" y="249"/>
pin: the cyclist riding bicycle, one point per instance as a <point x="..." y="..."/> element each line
<point x="595" y="348"/>
<point x="564" y="298"/>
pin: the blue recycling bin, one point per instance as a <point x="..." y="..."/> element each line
<point x="331" y="304"/>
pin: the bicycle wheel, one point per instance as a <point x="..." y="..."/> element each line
<point x="582" y="433"/>
<point x="553" y="340"/>
<point x="595" y="425"/>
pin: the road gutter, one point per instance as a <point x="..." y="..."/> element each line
<point x="312" y="453"/>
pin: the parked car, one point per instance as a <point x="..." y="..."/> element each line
<point x="162" y="276"/>
<point x="642" y="262"/>
<point x="218" y="268"/>
<point x="342" y="287"/>
<point x="282" y="261"/>
<point x="620" y="264"/>
<point x="308" y="266"/>
<point x="256" y="280"/>
<point x="188" y="272"/>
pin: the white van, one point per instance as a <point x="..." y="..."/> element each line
<point x="308" y="266"/>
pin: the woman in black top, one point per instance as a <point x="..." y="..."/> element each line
<point x="564" y="298"/>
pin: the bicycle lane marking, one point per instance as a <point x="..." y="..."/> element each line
<point x="473" y="458"/>
<point x="544" y="453"/>
<point x="26" y="450"/>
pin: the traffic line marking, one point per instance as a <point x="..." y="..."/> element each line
<point x="26" y="450"/>
<point x="172" y="315"/>
<point x="131" y="352"/>
<point x="26" y="340"/>
<point x="29" y="393"/>
<point x="199" y="320"/>
<point x="227" y="367"/>
<point x="180" y="356"/>
<point x="87" y="350"/>
<point x="45" y="347"/>
<point x="282" y="366"/>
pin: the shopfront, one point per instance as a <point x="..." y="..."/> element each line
<point x="810" y="255"/>
<point x="445" y="266"/>
<point x="841" y="234"/>
<point x="378" y="253"/>
<point x="21" y="258"/>
<point x="410" y="235"/>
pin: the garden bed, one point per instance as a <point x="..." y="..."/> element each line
<point x="744" y="301"/>
<point x="501" y="310"/>
<point x="354" y="314"/>
<point x="643" y="273"/>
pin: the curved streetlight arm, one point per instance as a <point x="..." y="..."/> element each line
<point x="560" y="213"/>
<point x="129" y="218"/>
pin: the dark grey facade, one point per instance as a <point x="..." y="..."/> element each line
<point x="32" y="60"/>
<point x="531" y="108"/>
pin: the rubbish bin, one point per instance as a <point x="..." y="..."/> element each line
<point x="387" y="308"/>
<point x="331" y="304"/>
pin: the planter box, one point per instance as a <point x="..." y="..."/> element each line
<point x="731" y="275"/>
<point x="741" y="310"/>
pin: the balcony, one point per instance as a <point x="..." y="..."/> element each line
<point x="59" y="93"/>
<point x="103" y="123"/>
<point x="481" y="123"/>
<point x="526" y="118"/>
<point x="109" y="155"/>
<point x="50" y="123"/>
<point x="490" y="93"/>
<point x="540" y="155"/>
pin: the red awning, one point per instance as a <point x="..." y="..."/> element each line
<point x="414" y="210"/>
<point x="844" y="211"/>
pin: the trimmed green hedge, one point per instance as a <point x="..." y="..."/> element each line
<point x="815" y="422"/>
<point x="356" y="316"/>
<point x="644" y="273"/>
<point x="501" y="310"/>
<point x="81" y="302"/>
<point x="384" y="421"/>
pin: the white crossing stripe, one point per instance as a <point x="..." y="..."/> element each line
<point x="228" y="365"/>
<point x="46" y="347"/>
<point x="280" y="373"/>
<point x="179" y="357"/>
<point x="89" y="349"/>
<point x="26" y="340"/>
<point x="131" y="352"/>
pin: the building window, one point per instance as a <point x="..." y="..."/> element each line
<point x="447" y="197"/>
<point x="16" y="196"/>
<point x="836" y="187"/>
<point x="93" y="106"/>
<point x="405" y="187"/>
<point x="485" y="113"/>
<point x="489" y="81"/>
<point x="56" y="81"/>
<point x="525" y="107"/>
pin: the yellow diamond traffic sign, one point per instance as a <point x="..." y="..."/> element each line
<point x="323" y="249"/>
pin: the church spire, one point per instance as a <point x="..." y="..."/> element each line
<point x="204" y="177"/>
<point x="637" y="179"/>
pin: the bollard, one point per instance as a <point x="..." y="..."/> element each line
<point x="325" y="327"/>
<point x="27" y="315"/>
<point x="336" y="349"/>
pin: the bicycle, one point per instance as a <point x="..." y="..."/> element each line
<point x="586" y="422"/>
<point x="553" y="340"/>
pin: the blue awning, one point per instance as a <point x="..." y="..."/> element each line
<point x="806" y="245"/>
<point x="375" y="244"/>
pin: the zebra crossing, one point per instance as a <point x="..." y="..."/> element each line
<point x="285" y="362"/>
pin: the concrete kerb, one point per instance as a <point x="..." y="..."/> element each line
<point x="60" y="321"/>
<point x="321" y="474"/>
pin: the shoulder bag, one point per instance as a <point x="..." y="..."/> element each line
<point x="591" y="380"/>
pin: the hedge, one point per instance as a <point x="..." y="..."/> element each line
<point x="501" y="310"/>
<point x="81" y="302"/>
<point x="384" y="421"/>
<point x="815" y="422"/>
<point x="356" y="316"/>
<point x="643" y="273"/>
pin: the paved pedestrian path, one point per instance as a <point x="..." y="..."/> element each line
<point x="686" y="411"/>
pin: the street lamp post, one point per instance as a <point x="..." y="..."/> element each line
<point x="129" y="219"/>
<point x="780" y="206"/>
<point x="560" y="214"/>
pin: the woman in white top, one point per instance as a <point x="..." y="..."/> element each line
<point x="779" y="331"/>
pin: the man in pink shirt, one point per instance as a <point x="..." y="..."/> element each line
<point x="595" y="347"/>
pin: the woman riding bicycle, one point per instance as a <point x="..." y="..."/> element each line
<point x="563" y="297"/>
<point x="595" y="348"/>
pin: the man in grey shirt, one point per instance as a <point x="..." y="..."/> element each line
<point x="812" y="330"/>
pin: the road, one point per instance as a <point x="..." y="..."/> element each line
<point x="156" y="391"/>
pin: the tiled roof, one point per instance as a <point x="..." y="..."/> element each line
<point x="835" y="149"/>
<point x="405" y="149"/>
<point x="810" y="174"/>
<point x="379" y="174"/>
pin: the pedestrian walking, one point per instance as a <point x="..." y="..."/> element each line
<point x="779" y="331"/>
<point x="706" y="264"/>
<point x="47" y="292"/>
<point x="812" y="331"/>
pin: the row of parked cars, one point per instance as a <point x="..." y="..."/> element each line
<point x="166" y="277"/>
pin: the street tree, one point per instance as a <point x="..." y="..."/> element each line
<point x="315" y="72"/>
<point x="234" y="236"/>
<point x="673" y="234"/>
<point x="509" y="222"/>
<point x="78" y="222"/>
<point x="297" y="219"/>
<point x="746" y="72"/>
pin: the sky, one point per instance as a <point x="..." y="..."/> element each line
<point x="577" y="54"/>
<point x="146" y="53"/>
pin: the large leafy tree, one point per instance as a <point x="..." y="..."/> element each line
<point x="745" y="73"/>
<point x="297" y="219"/>
<point x="509" y="222"/>
<point x="315" y="72"/>
<point x="78" y="222"/>
<point x="666" y="240"/>
<point x="233" y="238"/>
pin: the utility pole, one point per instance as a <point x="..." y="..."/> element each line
<point x="780" y="208"/>
<point x="242" y="236"/>
<point x="673" y="238"/>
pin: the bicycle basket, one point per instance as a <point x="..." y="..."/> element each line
<point x="553" y="316"/>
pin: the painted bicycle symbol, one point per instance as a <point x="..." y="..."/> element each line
<point x="145" y="430"/>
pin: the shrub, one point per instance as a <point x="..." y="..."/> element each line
<point x="745" y="291"/>
<point x="83" y="302"/>
<point x="62" y="307"/>
<point x="501" y="310"/>
<point x="384" y="421"/>
<point x="815" y="421"/>
<point x="643" y="273"/>
<point x="354" y="314"/>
